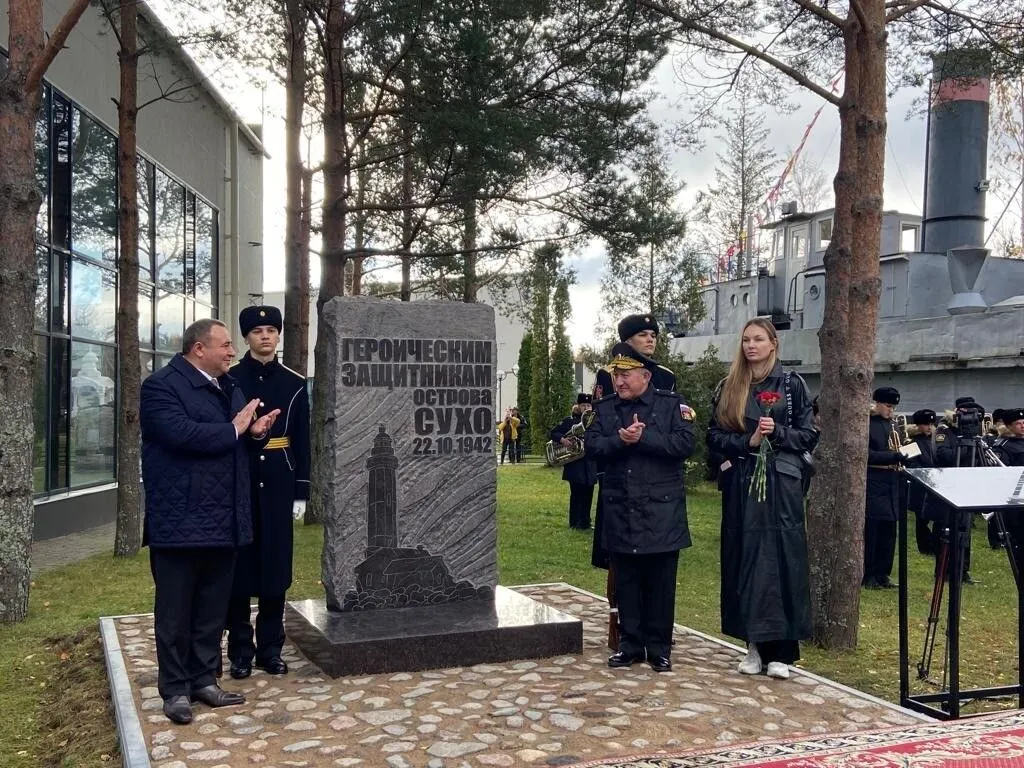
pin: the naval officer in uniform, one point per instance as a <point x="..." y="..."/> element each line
<point x="279" y="472"/>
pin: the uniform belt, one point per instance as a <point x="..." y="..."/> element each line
<point x="887" y="467"/>
<point x="277" y="442"/>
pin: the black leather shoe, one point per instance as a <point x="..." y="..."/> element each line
<point x="241" y="669"/>
<point x="215" y="696"/>
<point x="888" y="583"/>
<point x="622" y="659"/>
<point x="968" y="580"/>
<point x="660" y="664"/>
<point x="178" y="710"/>
<point x="273" y="666"/>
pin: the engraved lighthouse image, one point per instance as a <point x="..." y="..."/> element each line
<point x="393" y="576"/>
<point x="382" y="496"/>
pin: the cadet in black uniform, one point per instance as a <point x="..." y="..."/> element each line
<point x="581" y="475"/>
<point x="641" y="438"/>
<point x="1010" y="450"/>
<point x="279" y="473"/>
<point x="955" y="446"/>
<point x="924" y="436"/>
<point x="882" y="505"/>
<point x="641" y="333"/>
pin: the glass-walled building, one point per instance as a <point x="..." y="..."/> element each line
<point x="200" y="227"/>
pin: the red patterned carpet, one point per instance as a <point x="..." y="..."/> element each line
<point x="989" y="742"/>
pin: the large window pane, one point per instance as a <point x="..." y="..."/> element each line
<point x="146" y="364"/>
<point x="169" y="229"/>
<point x="203" y="312"/>
<point x="170" y="321"/>
<point x="43" y="167"/>
<point x="93" y="190"/>
<point x="93" y="301"/>
<point x="146" y="318"/>
<point x="59" y="300"/>
<point x="145" y="196"/>
<point x="206" y="251"/>
<point x="60" y="370"/>
<point x="42" y="288"/>
<point x="60" y="173"/>
<point x="93" y="413"/>
<point x="39" y="414"/>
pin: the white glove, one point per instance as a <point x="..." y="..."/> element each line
<point x="298" y="510"/>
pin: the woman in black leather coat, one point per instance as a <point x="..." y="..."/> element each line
<point x="765" y="590"/>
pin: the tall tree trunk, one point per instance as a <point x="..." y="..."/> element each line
<point x="359" y="224"/>
<point x="469" y="234"/>
<point x="332" y="273"/>
<point x="407" y="185"/>
<point x="847" y="336"/>
<point x="128" y="533"/>
<point x="296" y="257"/>
<point x="20" y="90"/>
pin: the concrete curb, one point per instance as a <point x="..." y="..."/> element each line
<point x="134" y="753"/>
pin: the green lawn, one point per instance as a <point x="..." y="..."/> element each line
<point x="53" y="691"/>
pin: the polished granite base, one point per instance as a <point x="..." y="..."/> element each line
<point x="513" y="626"/>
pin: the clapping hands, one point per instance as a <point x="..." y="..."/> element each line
<point x="631" y="434"/>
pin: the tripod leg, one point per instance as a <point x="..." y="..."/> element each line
<point x="941" y="566"/>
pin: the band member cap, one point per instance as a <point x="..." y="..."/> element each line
<point x="1011" y="415"/>
<point x="999" y="414"/>
<point x="924" y="416"/>
<point x="584" y="397"/>
<point x="886" y="396"/>
<point x="962" y="402"/>
<point x="631" y="325"/>
<point x="251" y="317"/>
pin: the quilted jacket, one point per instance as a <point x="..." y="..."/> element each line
<point x="194" y="470"/>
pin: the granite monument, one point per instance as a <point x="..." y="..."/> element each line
<point x="410" y="536"/>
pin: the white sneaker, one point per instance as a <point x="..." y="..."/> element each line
<point x="751" y="664"/>
<point x="778" y="670"/>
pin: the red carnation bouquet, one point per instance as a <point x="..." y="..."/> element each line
<point x="758" y="481"/>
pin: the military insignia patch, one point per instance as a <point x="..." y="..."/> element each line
<point x="940" y="437"/>
<point x="687" y="412"/>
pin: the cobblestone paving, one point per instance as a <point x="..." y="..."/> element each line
<point x="543" y="712"/>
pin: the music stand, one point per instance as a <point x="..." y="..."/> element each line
<point x="966" y="490"/>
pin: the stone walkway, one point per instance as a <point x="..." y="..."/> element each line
<point x="548" y="712"/>
<point x="51" y="553"/>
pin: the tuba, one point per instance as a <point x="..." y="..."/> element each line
<point x="558" y="455"/>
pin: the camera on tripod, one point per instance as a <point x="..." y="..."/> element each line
<point x="969" y="423"/>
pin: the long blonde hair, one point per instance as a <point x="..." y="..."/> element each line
<point x="732" y="401"/>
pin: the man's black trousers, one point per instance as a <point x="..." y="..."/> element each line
<point x="193" y="585"/>
<point x="879" y="550"/>
<point x="269" y="638"/>
<point x="645" y="590"/>
<point x="581" y="497"/>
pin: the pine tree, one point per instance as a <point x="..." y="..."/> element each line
<point x="540" y="372"/>
<point x="563" y="375"/>
<point x="525" y="378"/>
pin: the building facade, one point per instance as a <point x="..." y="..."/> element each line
<point x="200" y="222"/>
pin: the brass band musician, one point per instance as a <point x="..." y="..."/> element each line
<point x="580" y="474"/>
<point x="882" y="503"/>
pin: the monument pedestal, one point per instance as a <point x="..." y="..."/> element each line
<point x="455" y="634"/>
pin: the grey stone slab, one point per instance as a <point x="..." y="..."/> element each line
<point x="410" y="501"/>
<point x="512" y="626"/>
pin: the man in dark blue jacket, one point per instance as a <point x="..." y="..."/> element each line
<point x="279" y="476"/>
<point x="195" y="422"/>
<point x="642" y="436"/>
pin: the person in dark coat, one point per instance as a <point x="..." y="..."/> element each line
<point x="641" y="333"/>
<point x="641" y="437"/>
<point x="196" y="430"/>
<point x="923" y="434"/>
<point x="957" y="444"/>
<point x="581" y="475"/>
<point x="996" y="430"/>
<point x="1010" y="450"/>
<point x="765" y="598"/>
<point x="882" y="504"/>
<point x="279" y="475"/>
